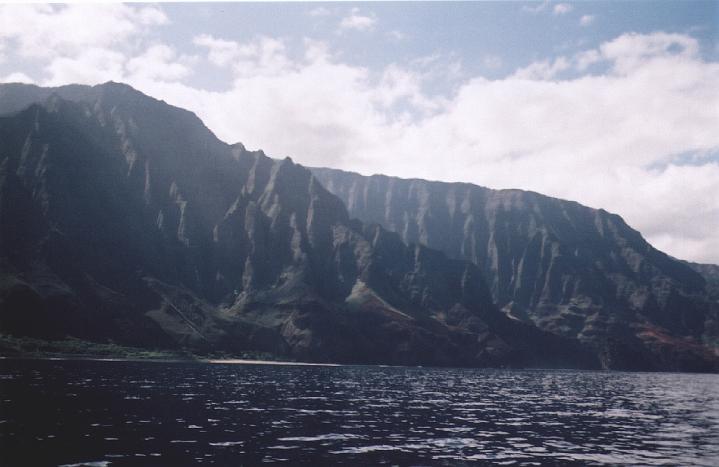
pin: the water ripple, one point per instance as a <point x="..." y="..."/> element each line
<point x="124" y="413"/>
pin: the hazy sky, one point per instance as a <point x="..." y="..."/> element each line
<point x="613" y="104"/>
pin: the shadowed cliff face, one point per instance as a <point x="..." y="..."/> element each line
<point x="124" y="218"/>
<point x="710" y="273"/>
<point x="574" y="271"/>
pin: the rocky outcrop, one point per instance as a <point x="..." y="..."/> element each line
<point x="124" y="218"/>
<point x="565" y="268"/>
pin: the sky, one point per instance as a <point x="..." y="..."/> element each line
<point x="611" y="104"/>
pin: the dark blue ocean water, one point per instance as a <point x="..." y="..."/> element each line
<point x="174" y="414"/>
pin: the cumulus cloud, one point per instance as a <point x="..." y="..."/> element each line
<point x="89" y="43"/>
<point x="613" y="140"/>
<point x="587" y="58"/>
<point x="544" y="70"/>
<point x="265" y="56"/>
<point x="17" y="77"/>
<point x="159" y="62"/>
<point x="221" y="52"/>
<point x="357" y="21"/>
<point x="261" y="57"/>
<point x="68" y="30"/>
<point x="562" y="8"/>
<point x="557" y="9"/>
<point x="94" y="65"/>
<point x="586" y="20"/>
<point x="631" y="51"/>
<point x="535" y="7"/>
<point x="638" y="139"/>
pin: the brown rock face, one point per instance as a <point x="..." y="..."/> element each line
<point x="124" y="218"/>
<point x="558" y="265"/>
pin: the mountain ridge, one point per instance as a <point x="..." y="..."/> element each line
<point x="125" y="218"/>
<point x="130" y="220"/>
<point x="608" y="275"/>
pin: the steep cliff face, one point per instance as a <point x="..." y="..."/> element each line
<point x="124" y="218"/>
<point x="710" y="273"/>
<point x="574" y="271"/>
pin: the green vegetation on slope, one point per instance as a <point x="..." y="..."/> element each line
<point x="27" y="347"/>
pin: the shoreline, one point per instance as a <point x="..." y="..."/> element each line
<point x="212" y="361"/>
<point x="249" y="361"/>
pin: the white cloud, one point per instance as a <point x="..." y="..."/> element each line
<point x="17" y="77"/>
<point x="544" y="70"/>
<point x="686" y="222"/>
<point x="265" y="56"/>
<point x="617" y="140"/>
<point x="89" y="43"/>
<point x="158" y="62"/>
<point x="357" y="21"/>
<point x="260" y="57"/>
<point x="45" y="31"/>
<point x="94" y="65"/>
<point x="316" y="51"/>
<point x="610" y="140"/>
<point x="221" y="52"/>
<point x="400" y="85"/>
<point x="557" y="9"/>
<point x="587" y="58"/>
<point x="586" y="20"/>
<point x="535" y="7"/>
<point x="562" y="8"/>
<point x="151" y="16"/>
<point x="631" y="51"/>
